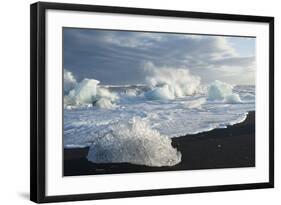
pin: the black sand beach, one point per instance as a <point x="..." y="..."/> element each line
<point x="231" y="147"/>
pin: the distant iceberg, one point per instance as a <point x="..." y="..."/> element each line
<point x="222" y="91"/>
<point x="87" y="92"/>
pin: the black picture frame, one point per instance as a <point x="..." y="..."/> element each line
<point x="38" y="101"/>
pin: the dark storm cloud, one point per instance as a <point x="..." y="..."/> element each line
<point x="118" y="57"/>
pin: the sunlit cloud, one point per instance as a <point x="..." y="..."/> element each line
<point x="117" y="57"/>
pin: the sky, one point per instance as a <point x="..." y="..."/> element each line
<point x="121" y="57"/>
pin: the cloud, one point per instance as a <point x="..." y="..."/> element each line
<point x="118" y="57"/>
<point x="132" y="40"/>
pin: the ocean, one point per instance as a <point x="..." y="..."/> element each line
<point x="135" y="123"/>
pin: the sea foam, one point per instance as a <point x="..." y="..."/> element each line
<point x="194" y="104"/>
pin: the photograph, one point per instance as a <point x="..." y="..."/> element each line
<point x="147" y="101"/>
<point x="134" y="102"/>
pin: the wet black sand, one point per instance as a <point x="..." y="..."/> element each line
<point x="231" y="147"/>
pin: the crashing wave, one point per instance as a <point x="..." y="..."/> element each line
<point x="105" y="93"/>
<point x="170" y="83"/>
<point x="69" y="81"/>
<point x="133" y="142"/>
<point x="104" y="103"/>
<point x="84" y="92"/>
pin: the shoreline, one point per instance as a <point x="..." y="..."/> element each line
<point x="230" y="147"/>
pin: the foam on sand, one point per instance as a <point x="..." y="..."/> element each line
<point x="133" y="142"/>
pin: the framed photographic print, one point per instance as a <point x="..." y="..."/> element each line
<point x="129" y="102"/>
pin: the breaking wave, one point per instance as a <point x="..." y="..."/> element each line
<point x="170" y="83"/>
<point x="69" y="81"/>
